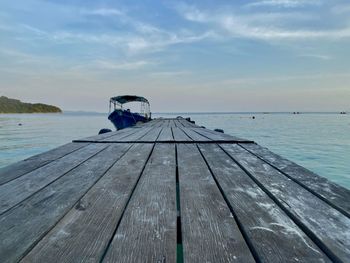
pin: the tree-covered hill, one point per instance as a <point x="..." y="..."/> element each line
<point x="8" y="105"/>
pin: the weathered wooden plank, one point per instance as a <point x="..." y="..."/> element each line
<point x="139" y="133"/>
<point x="89" y="227"/>
<point x="175" y="124"/>
<point x="161" y="122"/>
<point x="194" y="135"/>
<point x="218" y="136"/>
<point x="15" y="170"/>
<point x="152" y="135"/>
<point x="99" y="137"/>
<point x="209" y="231"/>
<point x="172" y="123"/>
<point x="274" y="236"/>
<point x="115" y="134"/>
<point x="156" y="122"/>
<point x="179" y="135"/>
<point x="330" y="192"/>
<point x="326" y="226"/>
<point x="166" y="135"/>
<point x="149" y="123"/>
<point x="129" y="132"/>
<point x="147" y="232"/>
<point x="165" y="123"/>
<point x="188" y="124"/>
<point x="178" y="124"/>
<point x="22" y="187"/>
<point x="22" y="227"/>
<point x="184" y="122"/>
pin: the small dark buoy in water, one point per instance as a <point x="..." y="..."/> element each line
<point x="19" y="124"/>
<point x="219" y="130"/>
<point x="102" y="131"/>
<point x="253" y="117"/>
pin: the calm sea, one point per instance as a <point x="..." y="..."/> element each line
<point x="317" y="141"/>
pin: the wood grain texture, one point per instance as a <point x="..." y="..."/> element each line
<point x="194" y="135"/>
<point x="22" y="187"/>
<point x="161" y="122"/>
<point x="165" y="123"/>
<point x="218" y="136"/>
<point x="333" y="193"/>
<point x="23" y="226"/>
<point x="147" y="232"/>
<point x="274" y="236"/>
<point x="172" y="123"/>
<point x="149" y="123"/>
<point x="179" y="135"/>
<point x="325" y="225"/>
<point x="178" y="123"/>
<point x="209" y="231"/>
<point x="138" y="135"/>
<point x="166" y="135"/>
<point x="100" y="137"/>
<point x="187" y="124"/>
<point x="15" y="170"/>
<point x="84" y="233"/>
<point x="133" y="133"/>
<point x="152" y="135"/>
<point x="154" y="123"/>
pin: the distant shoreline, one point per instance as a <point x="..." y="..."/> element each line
<point x="9" y="113"/>
<point x="14" y="106"/>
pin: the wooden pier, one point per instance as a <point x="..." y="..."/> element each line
<point x="169" y="191"/>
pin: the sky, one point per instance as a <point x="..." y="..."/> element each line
<point x="251" y="55"/>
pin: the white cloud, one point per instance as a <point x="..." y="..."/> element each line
<point x="317" y="56"/>
<point x="146" y="39"/>
<point x="103" y="12"/>
<point x="237" y="28"/>
<point x="261" y="25"/>
<point x="112" y="65"/>
<point x="34" y="30"/>
<point x="341" y="9"/>
<point x="283" y="3"/>
<point x="283" y="78"/>
<point x="166" y="74"/>
<point x="191" y="13"/>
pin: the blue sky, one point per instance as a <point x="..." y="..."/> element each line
<point x="257" y="55"/>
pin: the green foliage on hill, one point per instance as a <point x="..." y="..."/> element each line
<point x="8" y="105"/>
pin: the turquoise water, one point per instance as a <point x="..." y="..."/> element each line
<point x="319" y="142"/>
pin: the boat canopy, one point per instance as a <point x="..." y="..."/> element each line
<point x="128" y="98"/>
<point x="119" y="101"/>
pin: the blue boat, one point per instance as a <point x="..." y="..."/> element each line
<point x="123" y="118"/>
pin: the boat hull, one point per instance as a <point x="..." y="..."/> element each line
<point x="122" y="119"/>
